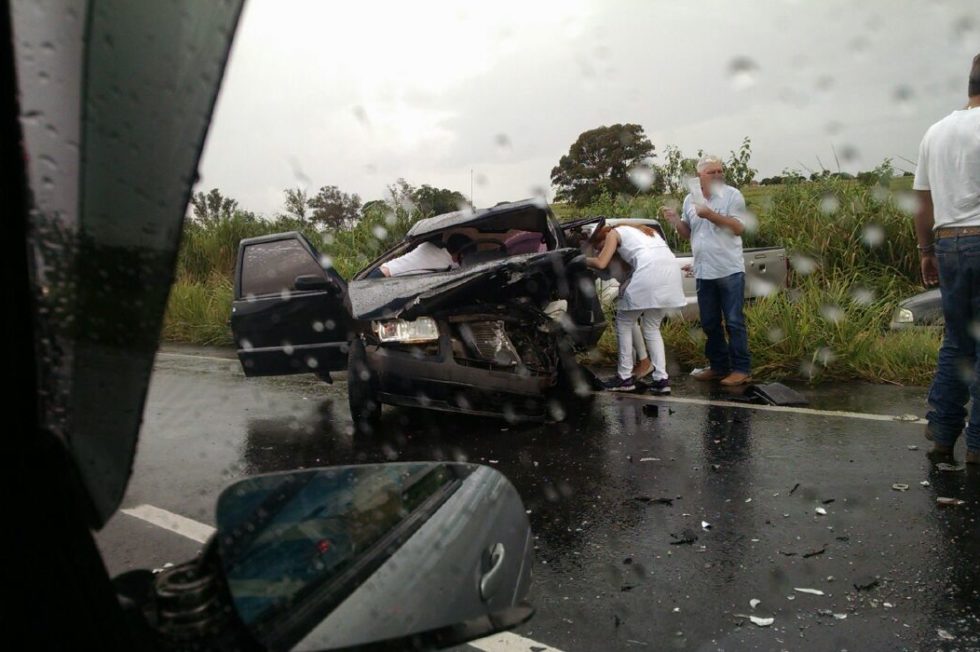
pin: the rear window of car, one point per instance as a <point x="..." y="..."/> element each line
<point x="272" y="267"/>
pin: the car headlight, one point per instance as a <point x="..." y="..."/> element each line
<point x="423" y="329"/>
<point x="904" y="316"/>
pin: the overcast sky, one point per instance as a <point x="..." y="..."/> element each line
<point x="358" y="94"/>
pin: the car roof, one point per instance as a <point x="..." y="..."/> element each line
<point x="431" y="225"/>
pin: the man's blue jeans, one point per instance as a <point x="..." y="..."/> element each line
<point x="722" y="298"/>
<point x="955" y="382"/>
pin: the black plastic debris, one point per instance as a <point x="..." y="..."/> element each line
<point x="625" y="588"/>
<point x="628" y="560"/>
<point x="814" y="553"/>
<point x="771" y="394"/>
<point x="686" y="537"/>
<point x="866" y="583"/>
<point x="654" y="501"/>
<point x="651" y="410"/>
<point x="795" y="487"/>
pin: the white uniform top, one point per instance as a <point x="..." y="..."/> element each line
<point x="656" y="281"/>
<point x="949" y="167"/>
<point x="426" y="256"/>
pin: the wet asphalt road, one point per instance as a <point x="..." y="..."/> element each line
<point x="613" y="492"/>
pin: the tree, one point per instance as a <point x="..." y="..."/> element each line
<point x="333" y="209"/>
<point x="738" y="173"/>
<point x="436" y="201"/>
<point x="600" y="161"/>
<point x="213" y="207"/>
<point x="297" y="203"/>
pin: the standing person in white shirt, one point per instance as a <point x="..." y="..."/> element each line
<point x="713" y="220"/>
<point x="947" y="226"/>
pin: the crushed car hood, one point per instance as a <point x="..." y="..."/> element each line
<point x="410" y="296"/>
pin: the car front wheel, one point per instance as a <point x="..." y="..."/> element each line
<point x="362" y="393"/>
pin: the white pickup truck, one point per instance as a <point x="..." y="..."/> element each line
<point x="765" y="269"/>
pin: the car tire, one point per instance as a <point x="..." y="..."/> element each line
<point x="362" y="391"/>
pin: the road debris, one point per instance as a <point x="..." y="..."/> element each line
<point x="944" y="635"/>
<point x="814" y="553"/>
<point x="651" y="410"/>
<point x="865" y="583"/>
<point x="951" y="468"/>
<point x="754" y="602"/>
<point x="761" y="622"/>
<point x="686" y="537"/>
<point x="705" y="525"/>
<point x="900" y="486"/>
<point x="654" y="501"/>
<point x="949" y="502"/>
<point x="913" y="447"/>
<point x="810" y="591"/>
<point x="795" y="487"/>
<point x="821" y="511"/>
<point x="925" y="483"/>
<point x="907" y="417"/>
<point x="649" y="459"/>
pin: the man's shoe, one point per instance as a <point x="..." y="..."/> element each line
<point x="661" y="387"/>
<point x="617" y="384"/>
<point x="709" y="374"/>
<point x="973" y="456"/>
<point x="643" y="368"/>
<point x="736" y="378"/>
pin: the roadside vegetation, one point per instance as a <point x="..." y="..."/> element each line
<point x="850" y="243"/>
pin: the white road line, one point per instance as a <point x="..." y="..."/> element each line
<point x="778" y="408"/>
<point x="510" y="642"/>
<point x="169" y="521"/>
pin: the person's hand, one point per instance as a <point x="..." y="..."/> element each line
<point x="702" y="210"/>
<point x="688" y="269"/>
<point x="670" y="215"/>
<point x="930" y="270"/>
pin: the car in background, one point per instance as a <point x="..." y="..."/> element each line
<point x="923" y="309"/>
<point x="495" y="336"/>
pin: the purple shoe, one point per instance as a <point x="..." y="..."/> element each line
<point x="661" y="387"/>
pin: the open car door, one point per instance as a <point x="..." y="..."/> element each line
<point x="290" y="312"/>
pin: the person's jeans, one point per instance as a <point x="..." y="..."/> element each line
<point x="955" y="382"/>
<point x="722" y="298"/>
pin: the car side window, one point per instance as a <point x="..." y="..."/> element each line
<point x="272" y="267"/>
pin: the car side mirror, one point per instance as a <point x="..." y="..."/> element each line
<point x="431" y="553"/>
<point x="307" y="282"/>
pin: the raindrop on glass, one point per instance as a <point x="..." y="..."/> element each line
<point x="775" y="335"/>
<point x="832" y="313"/>
<point x="849" y="154"/>
<point x="318" y="326"/>
<point x="903" y="97"/>
<point x="502" y="141"/>
<point x="873" y="235"/>
<point x="361" y="114"/>
<point x="803" y="264"/>
<point x="326" y="262"/>
<point x="908" y="202"/>
<point x="743" y="72"/>
<point x="825" y="356"/>
<point x="379" y="232"/>
<point x="862" y="296"/>
<point x="642" y="178"/>
<point x="965" y="31"/>
<point x="287" y="347"/>
<point x="285" y="294"/>
<point x="829" y="204"/>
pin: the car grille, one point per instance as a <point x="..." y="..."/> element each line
<point x="489" y="341"/>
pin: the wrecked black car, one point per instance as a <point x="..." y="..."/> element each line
<point x="493" y="334"/>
